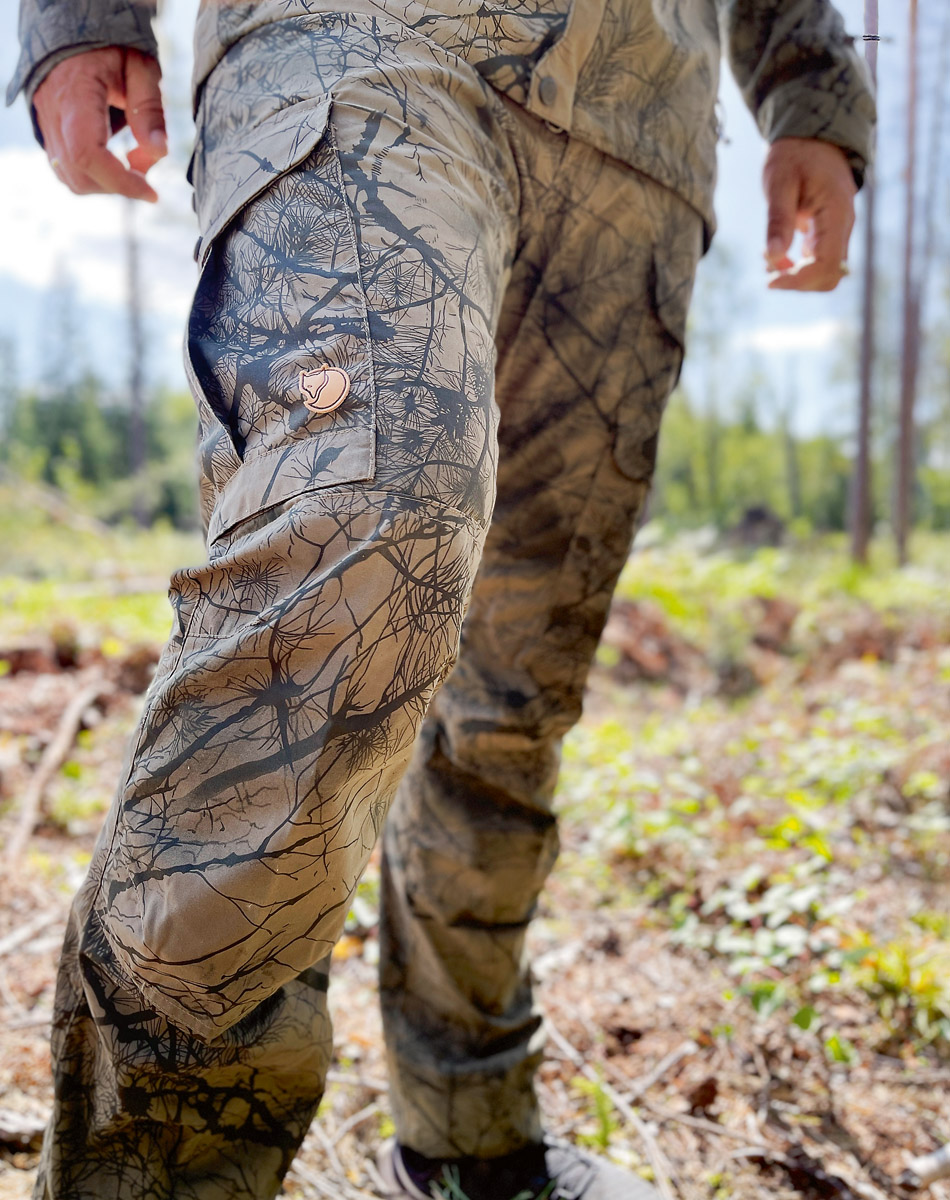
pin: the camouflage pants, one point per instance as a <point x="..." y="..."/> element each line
<point x="509" y="306"/>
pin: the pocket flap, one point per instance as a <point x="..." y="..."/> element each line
<point x="323" y="460"/>
<point x="232" y="166"/>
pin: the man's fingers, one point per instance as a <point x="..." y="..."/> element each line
<point x="782" y="191"/>
<point x="109" y="175"/>
<point x="810" y="277"/>
<point x="143" y="110"/>
<point x="810" y="187"/>
<point x="105" y="175"/>
<point x="72" y="108"/>
<point x="63" y="169"/>
<point x="825" y="251"/>
<point x="831" y="230"/>
<point x="90" y="167"/>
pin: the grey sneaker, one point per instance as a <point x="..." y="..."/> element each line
<point x="554" y="1170"/>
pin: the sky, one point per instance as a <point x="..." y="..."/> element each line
<point x="50" y="234"/>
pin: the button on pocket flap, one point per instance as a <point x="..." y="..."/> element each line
<point x="232" y="166"/>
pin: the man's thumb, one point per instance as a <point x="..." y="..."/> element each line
<point x="143" y="109"/>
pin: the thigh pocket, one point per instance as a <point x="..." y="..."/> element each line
<point x="278" y="344"/>
<point x="658" y="347"/>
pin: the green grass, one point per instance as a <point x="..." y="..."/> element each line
<point x="700" y="593"/>
<point x="107" y="587"/>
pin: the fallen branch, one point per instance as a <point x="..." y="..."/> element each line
<point x="28" y="930"/>
<point x="348" y="1080"/>
<point x="55" y="504"/>
<point x="351" y="1123"/>
<point x="867" y="1191"/>
<point x="927" y="1169"/>
<point x="661" y="1168"/>
<point x="53" y="758"/>
<point x="664" y="1114"/>
<point x="645" y="1082"/>
<point x="28" y="1020"/>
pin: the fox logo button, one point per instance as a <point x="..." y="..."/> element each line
<point x="325" y="388"/>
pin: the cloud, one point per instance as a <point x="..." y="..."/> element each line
<point x="86" y="235"/>
<point x="813" y="335"/>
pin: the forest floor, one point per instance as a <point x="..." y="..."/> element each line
<point x="743" y="954"/>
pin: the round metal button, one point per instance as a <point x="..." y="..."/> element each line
<point x="324" y="389"/>
<point x="547" y="90"/>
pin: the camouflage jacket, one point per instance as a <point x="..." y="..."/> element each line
<point x="635" y="78"/>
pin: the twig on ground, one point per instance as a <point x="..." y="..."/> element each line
<point x="348" y="1080"/>
<point x="661" y="1168"/>
<point x="927" y="1169"/>
<point x="911" y="1076"/>
<point x="28" y="930"/>
<point x="645" y="1082"/>
<point x="376" y="1180"/>
<point x="53" y="757"/>
<point x="329" y="1149"/>
<point x="765" y="1075"/>
<point x="664" y="1114"/>
<point x="351" y="1123"/>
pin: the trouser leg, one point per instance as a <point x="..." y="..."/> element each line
<point x="191" y="1036"/>
<point x="146" y="1111"/>
<point x="590" y="344"/>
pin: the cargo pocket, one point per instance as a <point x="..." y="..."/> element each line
<point x="278" y="351"/>
<point x="669" y="288"/>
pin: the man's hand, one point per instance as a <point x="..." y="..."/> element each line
<point x="72" y="109"/>
<point x="809" y="187"/>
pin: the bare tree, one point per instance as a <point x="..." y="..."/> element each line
<point x="917" y="266"/>
<point x="909" y="338"/>
<point x="136" y="447"/>
<point x="861" y="479"/>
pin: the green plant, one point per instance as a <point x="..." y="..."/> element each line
<point x="601" y="1110"/>
<point x="909" y="980"/>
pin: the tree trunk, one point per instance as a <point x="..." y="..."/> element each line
<point x="861" y="480"/>
<point x="905" y="446"/>
<point x="136" y="447"/>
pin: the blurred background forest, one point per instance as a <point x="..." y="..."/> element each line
<point x="744" y="953"/>
<point x="769" y="413"/>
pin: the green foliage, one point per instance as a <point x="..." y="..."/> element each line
<point x="710" y="470"/>
<point x="746" y="830"/>
<point x="74" y="436"/>
<point x="603" y="1123"/>
<point x="709" y="595"/>
<point x="761" y="922"/>
<point x="839" y="1050"/>
<point x="909" y="980"/>
<point x="104" y="587"/>
<point x="364" y="910"/>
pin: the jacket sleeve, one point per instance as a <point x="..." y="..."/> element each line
<point x="800" y="74"/>
<point x="51" y="30"/>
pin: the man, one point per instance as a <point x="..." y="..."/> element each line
<point x="446" y="254"/>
